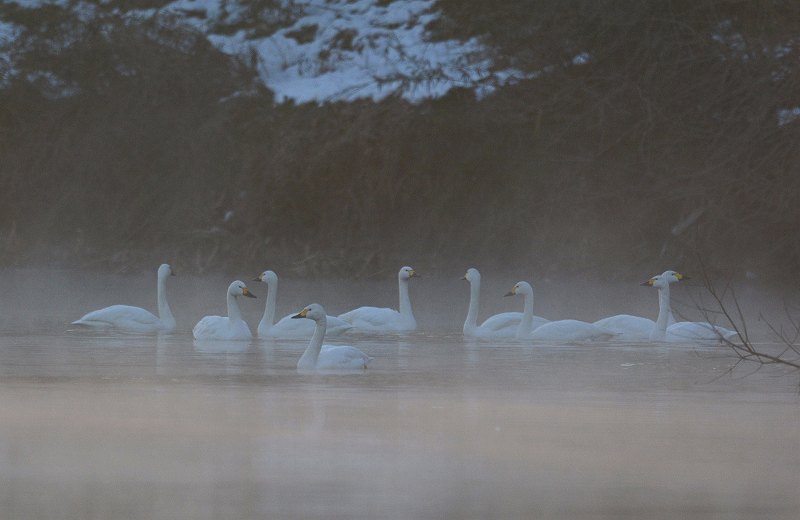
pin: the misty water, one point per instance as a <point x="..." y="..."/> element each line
<point x="100" y="425"/>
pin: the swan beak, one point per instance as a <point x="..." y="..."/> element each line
<point x="247" y="293"/>
<point x="648" y="283"/>
<point x="681" y="277"/>
<point x="512" y="292"/>
<point x="171" y="272"/>
<point x="464" y="277"/>
<point x="412" y="274"/>
<point x="258" y="279"/>
<point x="301" y="314"/>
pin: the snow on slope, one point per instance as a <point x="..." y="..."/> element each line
<point x="345" y="49"/>
<point x="340" y="49"/>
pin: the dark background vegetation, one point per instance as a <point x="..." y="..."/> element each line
<point x="666" y="142"/>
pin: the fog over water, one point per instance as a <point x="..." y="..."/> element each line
<point x="108" y="425"/>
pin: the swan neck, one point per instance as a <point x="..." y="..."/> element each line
<point x="234" y="313"/>
<point x="269" y="310"/>
<point x="164" y="312"/>
<point x="405" y="301"/>
<point x="311" y="355"/>
<point x="664" y="313"/>
<point x="526" y="325"/>
<point x="474" y="304"/>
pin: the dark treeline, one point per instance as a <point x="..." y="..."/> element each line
<point x="663" y="139"/>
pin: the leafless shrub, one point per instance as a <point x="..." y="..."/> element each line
<point x="783" y="350"/>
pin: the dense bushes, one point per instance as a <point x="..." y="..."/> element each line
<point x="662" y="138"/>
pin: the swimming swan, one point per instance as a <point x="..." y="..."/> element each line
<point x="286" y="326"/>
<point x="375" y="319"/>
<point x="558" y="331"/>
<point x="327" y="357"/>
<point x="226" y="327"/>
<point x="682" y="331"/>
<point x="632" y="328"/>
<point x="502" y="325"/>
<point x="135" y="319"/>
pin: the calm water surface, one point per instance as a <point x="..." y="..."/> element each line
<point x="103" y="426"/>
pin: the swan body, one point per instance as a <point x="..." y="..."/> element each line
<point x="286" y="326"/>
<point x="377" y="319"/>
<point x="628" y="327"/>
<point x="554" y="331"/>
<point x="230" y="327"/>
<point x="135" y="319"/>
<point x="327" y="357"/>
<point x="502" y="325"/>
<point x="698" y="331"/>
<point x="682" y="331"/>
<point x="571" y="330"/>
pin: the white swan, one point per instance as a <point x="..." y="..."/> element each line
<point x="327" y="357"/>
<point x="135" y="319"/>
<point x="633" y="328"/>
<point x="554" y="331"/>
<point x="502" y="325"/>
<point x="682" y="331"/>
<point x="376" y="319"/>
<point x="286" y="326"/>
<point x="226" y="327"/>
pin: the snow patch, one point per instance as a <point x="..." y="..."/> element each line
<point x="347" y="49"/>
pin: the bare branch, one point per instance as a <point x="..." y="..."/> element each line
<point x="745" y="349"/>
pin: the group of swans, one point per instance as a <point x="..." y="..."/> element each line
<point x="233" y="326"/>
<point x="520" y="325"/>
<point x="625" y="327"/>
<point x="666" y="329"/>
<point x="316" y="356"/>
<point x="135" y="319"/>
<point x="503" y="325"/>
<point x="287" y="327"/>
<point x="560" y="330"/>
<point x="524" y="325"/>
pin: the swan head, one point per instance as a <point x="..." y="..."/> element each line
<point x="165" y="270"/>
<point x="664" y="279"/>
<point x="238" y="288"/>
<point x="406" y="273"/>
<point x="672" y="276"/>
<point x="314" y="312"/>
<point x="520" y="288"/>
<point x="267" y="277"/>
<point x="472" y="275"/>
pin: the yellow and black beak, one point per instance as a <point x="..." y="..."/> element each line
<point x="464" y="277"/>
<point x="413" y="274"/>
<point x="512" y="292"/>
<point x="246" y="292"/>
<point x="257" y="279"/>
<point x="681" y="277"/>
<point x="171" y="271"/>
<point x="649" y="283"/>
<point x="301" y="314"/>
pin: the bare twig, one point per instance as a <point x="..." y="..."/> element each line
<point x="743" y="346"/>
